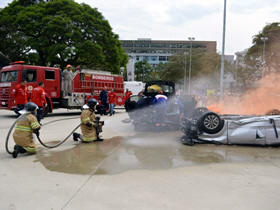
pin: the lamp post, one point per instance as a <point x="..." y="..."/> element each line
<point x="223" y="52"/>
<point x="185" y="73"/>
<point x="190" y="67"/>
<point x="264" y="39"/>
<point x="122" y="70"/>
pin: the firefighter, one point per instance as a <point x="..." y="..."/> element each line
<point x="39" y="98"/>
<point x="160" y="102"/>
<point x="68" y="76"/>
<point x="90" y="126"/>
<point x="112" y="101"/>
<point x="27" y="125"/>
<point x="103" y="97"/>
<point x="128" y="93"/>
<point x="20" y="95"/>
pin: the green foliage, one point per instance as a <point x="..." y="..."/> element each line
<point x="143" y="71"/>
<point x="59" y="32"/>
<point x="202" y="64"/>
<point x="254" y="56"/>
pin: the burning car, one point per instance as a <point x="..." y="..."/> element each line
<point x="143" y="113"/>
<point x="210" y="127"/>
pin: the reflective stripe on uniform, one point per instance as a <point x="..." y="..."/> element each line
<point x="30" y="149"/>
<point x="85" y="120"/>
<point x="35" y="125"/>
<point x="23" y="128"/>
<point x="89" y="139"/>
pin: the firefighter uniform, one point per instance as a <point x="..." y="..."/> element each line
<point x="128" y="93"/>
<point x="160" y="102"/>
<point x="39" y="98"/>
<point x="20" y="95"/>
<point x="88" y="126"/>
<point x="23" y="132"/>
<point x="67" y="81"/>
<point x="112" y="101"/>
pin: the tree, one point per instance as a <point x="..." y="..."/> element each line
<point x="254" y="56"/>
<point x="157" y="71"/>
<point x="143" y="71"/>
<point x="59" y="32"/>
<point x="202" y="64"/>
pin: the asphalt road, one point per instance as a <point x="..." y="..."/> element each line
<point x="131" y="170"/>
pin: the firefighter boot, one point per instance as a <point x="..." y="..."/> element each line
<point x="98" y="138"/>
<point x="76" y="136"/>
<point x="18" y="149"/>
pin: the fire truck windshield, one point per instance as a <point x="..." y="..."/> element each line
<point x="9" y="76"/>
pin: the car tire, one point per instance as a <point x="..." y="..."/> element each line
<point x="210" y="123"/>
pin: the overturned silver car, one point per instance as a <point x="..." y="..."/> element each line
<point x="231" y="129"/>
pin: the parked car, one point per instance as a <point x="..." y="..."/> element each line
<point x="210" y="127"/>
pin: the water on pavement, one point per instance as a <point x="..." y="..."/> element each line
<point x="148" y="151"/>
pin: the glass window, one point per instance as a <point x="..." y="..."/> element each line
<point x="9" y="76"/>
<point x="49" y="74"/>
<point x="82" y="76"/>
<point x="30" y="75"/>
<point x="167" y="89"/>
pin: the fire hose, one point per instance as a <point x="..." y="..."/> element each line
<point x="41" y="142"/>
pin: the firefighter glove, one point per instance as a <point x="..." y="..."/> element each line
<point x="89" y="125"/>
<point x="36" y="132"/>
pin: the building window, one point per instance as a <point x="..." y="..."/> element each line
<point x="154" y="58"/>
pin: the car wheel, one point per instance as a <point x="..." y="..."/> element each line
<point x="210" y="123"/>
<point x="129" y="105"/>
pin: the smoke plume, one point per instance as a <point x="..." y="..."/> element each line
<point x="261" y="99"/>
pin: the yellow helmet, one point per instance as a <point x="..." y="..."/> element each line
<point x="154" y="88"/>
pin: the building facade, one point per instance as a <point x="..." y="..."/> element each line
<point x="157" y="51"/>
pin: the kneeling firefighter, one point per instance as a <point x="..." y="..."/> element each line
<point x="91" y="126"/>
<point x="27" y="125"/>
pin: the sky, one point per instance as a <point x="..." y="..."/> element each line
<point x="180" y="19"/>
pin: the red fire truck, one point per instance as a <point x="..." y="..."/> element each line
<point x="86" y="84"/>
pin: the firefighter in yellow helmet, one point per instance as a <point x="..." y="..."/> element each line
<point x="154" y="89"/>
<point x="90" y="125"/>
<point x="27" y="125"/>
